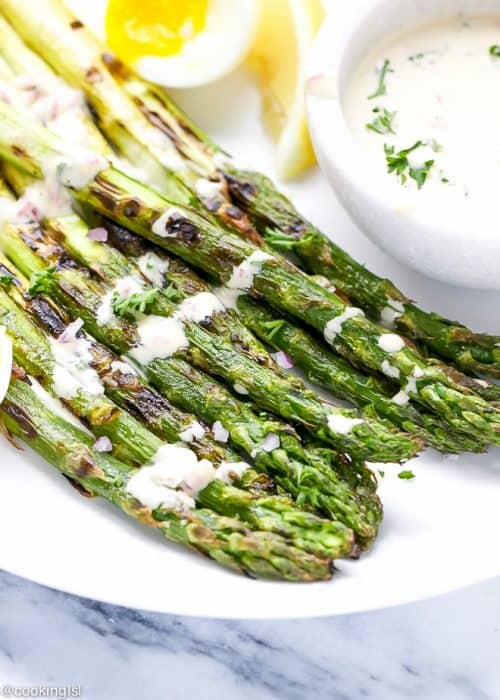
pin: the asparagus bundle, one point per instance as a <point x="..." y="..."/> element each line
<point x="213" y="349"/>
<point x="275" y="447"/>
<point x="320" y="366"/>
<point x="246" y="268"/>
<point x="134" y="444"/>
<point x="79" y="57"/>
<point x="226" y="540"/>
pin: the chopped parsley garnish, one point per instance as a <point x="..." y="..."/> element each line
<point x="280" y="240"/>
<point x="495" y="51"/>
<point x="137" y="303"/>
<point x="406" y="474"/>
<point x="172" y="293"/>
<point x="382" y="74"/>
<point x="6" y="280"/>
<point x="273" y="327"/>
<point x="383" y="123"/>
<point x="398" y="162"/>
<point x="41" y="282"/>
<point x="435" y="146"/>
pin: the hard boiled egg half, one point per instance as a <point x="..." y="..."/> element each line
<point x="176" y="43"/>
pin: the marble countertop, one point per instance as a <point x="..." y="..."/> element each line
<point x="447" y="648"/>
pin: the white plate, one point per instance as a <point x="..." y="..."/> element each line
<point x="441" y="530"/>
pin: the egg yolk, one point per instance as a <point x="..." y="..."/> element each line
<point x="138" y="28"/>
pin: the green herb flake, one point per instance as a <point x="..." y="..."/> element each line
<point x="6" y="280"/>
<point x="406" y="474"/>
<point x="280" y="240"/>
<point x="397" y="162"/>
<point x="172" y="293"/>
<point x="41" y="282"/>
<point x="382" y="75"/>
<point x="495" y="51"/>
<point x="383" y="124"/>
<point x="273" y="327"/>
<point x="137" y="303"/>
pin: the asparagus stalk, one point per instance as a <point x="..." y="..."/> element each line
<point x="226" y="540"/>
<point x="186" y="233"/>
<point x="135" y="445"/>
<point x="305" y="476"/>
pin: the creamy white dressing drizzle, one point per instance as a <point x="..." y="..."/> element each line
<point x="199" y="307"/>
<point x="56" y="406"/>
<point x="62" y="110"/>
<point x="231" y="471"/>
<point x="342" y="425"/>
<point x="153" y="268"/>
<point x="159" y="227"/>
<point x="72" y="370"/>
<point x="175" y="476"/>
<point x="242" y="276"/>
<point x="401" y="398"/>
<point x="228" y="297"/>
<point x="334" y="327"/>
<point x="124" y="287"/>
<point x="441" y="89"/>
<point x="193" y="432"/>
<point x="390" y="342"/>
<point x="208" y="189"/>
<point x="159" y="337"/>
<point x="389" y="370"/>
<point x="123" y="368"/>
<point x="391" y="312"/>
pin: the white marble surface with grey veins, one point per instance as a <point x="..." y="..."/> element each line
<point x="447" y="648"/>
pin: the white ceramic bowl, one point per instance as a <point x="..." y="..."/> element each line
<point x="463" y="252"/>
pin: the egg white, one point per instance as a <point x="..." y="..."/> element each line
<point x="223" y="44"/>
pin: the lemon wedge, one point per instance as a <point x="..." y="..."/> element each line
<point x="284" y="35"/>
<point x="5" y="362"/>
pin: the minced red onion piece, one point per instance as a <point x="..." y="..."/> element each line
<point x="29" y="210"/>
<point x="103" y="444"/>
<point x="219" y="431"/>
<point x="271" y="442"/>
<point x="283" y="360"/>
<point x="98" y="234"/>
<point x="70" y="332"/>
